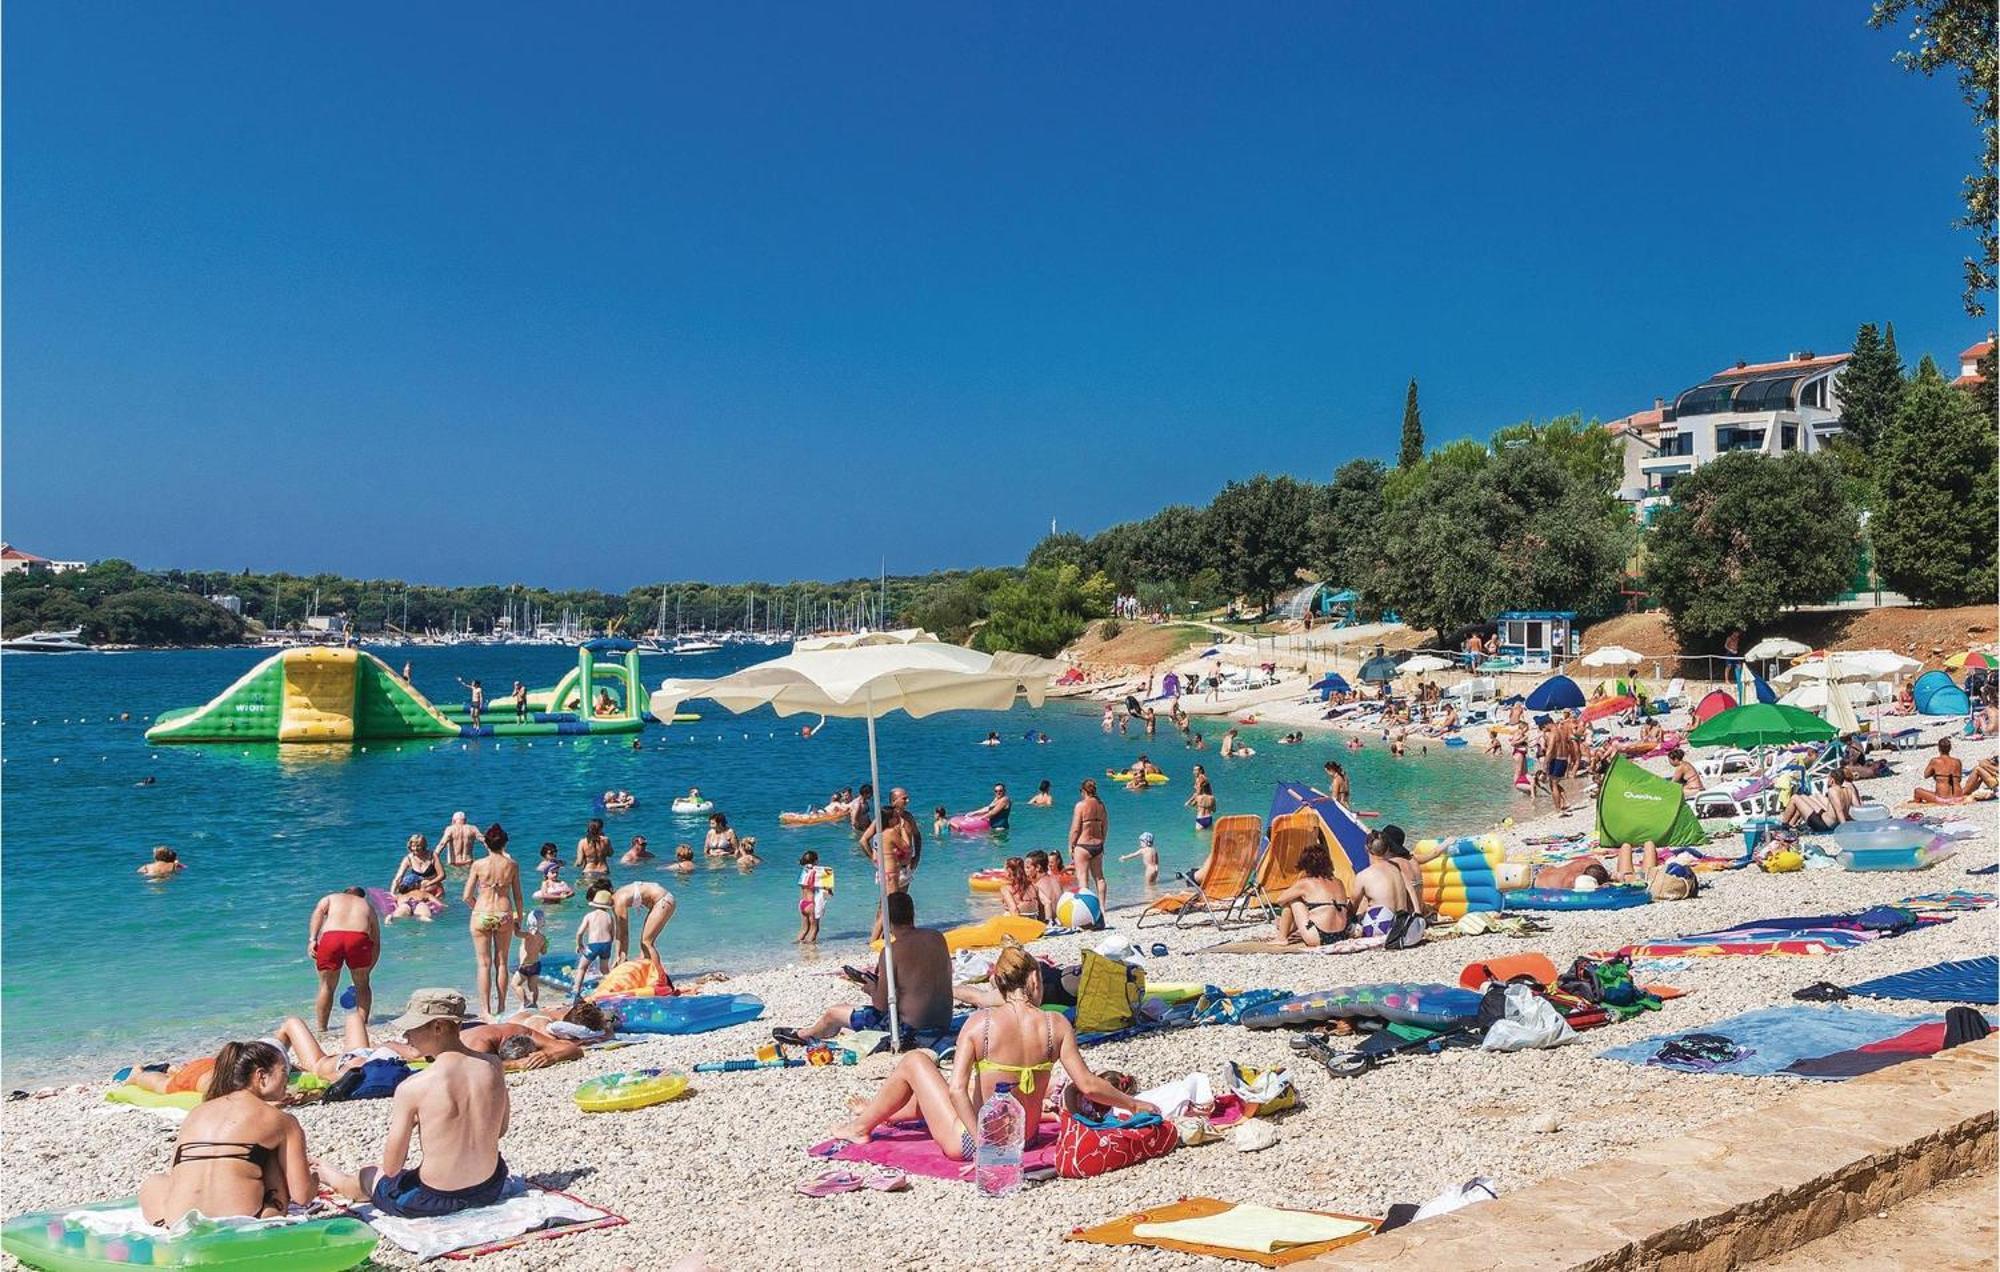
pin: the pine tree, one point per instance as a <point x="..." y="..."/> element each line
<point x="1870" y="386"/>
<point x="1938" y="500"/>
<point x="1412" y="453"/>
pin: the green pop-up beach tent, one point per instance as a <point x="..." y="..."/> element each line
<point x="1636" y="807"/>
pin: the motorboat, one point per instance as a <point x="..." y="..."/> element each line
<point x="69" y="642"/>
<point x="694" y="645"/>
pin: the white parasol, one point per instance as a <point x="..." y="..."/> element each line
<point x="1613" y="656"/>
<point x="867" y="677"/>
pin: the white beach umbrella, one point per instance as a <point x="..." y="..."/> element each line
<point x="867" y="680"/>
<point x="1776" y="647"/>
<point x="1426" y="662"/>
<point x="854" y="640"/>
<point x="1813" y="696"/>
<point x="1613" y="656"/>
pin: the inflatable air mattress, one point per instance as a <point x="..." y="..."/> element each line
<point x="1618" y="898"/>
<point x="50" y="1241"/>
<point x="1428" y="1006"/>
<point x="682" y="1014"/>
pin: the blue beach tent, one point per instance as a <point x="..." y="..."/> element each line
<point x="1557" y="693"/>
<point x="1341" y="828"/>
<point x="1935" y="694"/>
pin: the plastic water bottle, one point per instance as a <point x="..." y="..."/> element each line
<point x="1003" y="1131"/>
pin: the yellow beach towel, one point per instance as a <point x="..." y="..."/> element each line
<point x="1259" y="1229"/>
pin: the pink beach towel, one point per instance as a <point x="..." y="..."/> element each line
<point x="908" y="1147"/>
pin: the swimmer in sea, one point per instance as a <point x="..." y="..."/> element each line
<point x="1043" y="796"/>
<point x="637" y="853"/>
<point x="683" y="859"/>
<point x="148" y="780"/>
<point x="456" y="841"/>
<point x="991" y="739"/>
<point x="166" y="863"/>
<point x="746" y="853"/>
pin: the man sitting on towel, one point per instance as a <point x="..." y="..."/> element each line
<point x="923" y="984"/>
<point x="460" y="1106"/>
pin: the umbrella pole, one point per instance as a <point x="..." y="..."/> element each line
<point x="882" y="873"/>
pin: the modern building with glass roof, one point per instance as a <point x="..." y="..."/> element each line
<point x="1771" y="408"/>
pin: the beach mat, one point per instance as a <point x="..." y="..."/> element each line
<point x="525" y="1214"/>
<point x="1258" y="947"/>
<point x="1780" y="1037"/>
<point x="1119" y="1232"/>
<point x="908" y="1147"/>
<point x="1972" y="980"/>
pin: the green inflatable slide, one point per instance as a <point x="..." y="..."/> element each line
<point x="1636" y="807"/>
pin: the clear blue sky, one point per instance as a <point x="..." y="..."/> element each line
<point x="601" y="295"/>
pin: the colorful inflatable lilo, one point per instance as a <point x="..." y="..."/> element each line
<point x="1152" y="779"/>
<point x="118" y="1236"/>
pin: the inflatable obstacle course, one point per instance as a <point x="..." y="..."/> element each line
<point x="346" y="695"/>
<point x="309" y="695"/>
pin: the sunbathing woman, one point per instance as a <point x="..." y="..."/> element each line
<point x="1017" y="895"/>
<point x="236" y="1155"/>
<point x="1981" y="786"/>
<point x="1314" y="909"/>
<point x="356" y="1049"/>
<point x="1017" y="1043"/>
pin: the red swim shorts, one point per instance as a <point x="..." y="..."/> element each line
<point x="355" y="950"/>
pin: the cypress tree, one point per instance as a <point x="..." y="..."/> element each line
<point x="1870" y="386"/>
<point x="1938" y="500"/>
<point x="1412" y="453"/>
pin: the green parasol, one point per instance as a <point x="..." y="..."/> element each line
<point x="1761" y="724"/>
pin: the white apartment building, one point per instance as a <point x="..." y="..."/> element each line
<point x="1770" y="408"/>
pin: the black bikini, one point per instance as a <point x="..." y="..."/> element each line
<point x="258" y="1155"/>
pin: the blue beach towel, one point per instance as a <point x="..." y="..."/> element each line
<point x="1972" y="980"/>
<point x="1781" y="1036"/>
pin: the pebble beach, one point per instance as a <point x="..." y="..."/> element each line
<point x="712" y="1174"/>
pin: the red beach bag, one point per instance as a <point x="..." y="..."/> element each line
<point x="1085" y="1148"/>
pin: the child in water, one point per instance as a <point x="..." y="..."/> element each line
<point x="593" y="940"/>
<point x="940" y="820"/>
<point x="813" y="893"/>
<point x="534" y="944"/>
<point x="1148" y="856"/>
<point x="683" y="859"/>
<point x="746" y="853"/>
<point x="1043" y="796"/>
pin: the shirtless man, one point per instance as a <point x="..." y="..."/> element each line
<point x="1563" y="753"/>
<point x="1089" y="826"/>
<point x="1043" y="884"/>
<point x="657" y="902"/>
<point x="520" y="703"/>
<point x="458" y="1105"/>
<point x="1821" y="813"/>
<point x="345" y="932"/>
<point x="456" y="841"/>
<point x="519" y="1046"/>
<point x="1380" y="891"/>
<point x="923" y="983"/>
<point x="477" y="702"/>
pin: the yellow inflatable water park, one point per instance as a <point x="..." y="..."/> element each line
<point x="347" y="695"/>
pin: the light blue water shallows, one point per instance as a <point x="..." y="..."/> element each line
<point x="103" y="968"/>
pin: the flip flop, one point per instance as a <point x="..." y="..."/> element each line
<point x="885" y="1179"/>
<point x="827" y="1183"/>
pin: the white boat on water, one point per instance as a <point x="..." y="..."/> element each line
<point x="69" y="642"/>
<point x="694" y="645"/>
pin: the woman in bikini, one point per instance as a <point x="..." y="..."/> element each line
<point x="419" y="877"/>
<point x="1314" y="910"/>
<point x="1088" y="826"/>
<point x="236" y="1154"/>
<point x="593" y="857"/>
<point x="1017" y="1043"/>
<point x="493" y="891"/>
<point x="720" y="840"/>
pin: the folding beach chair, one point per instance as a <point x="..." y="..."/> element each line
<point x="1278" y="869"/>
<point x="1759" y="797"/>
<point x="1226" y="877"/>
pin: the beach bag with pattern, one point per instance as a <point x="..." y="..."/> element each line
<point x="1086" y="1147"/>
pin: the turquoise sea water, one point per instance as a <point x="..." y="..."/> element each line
<point x="102" y="967"/>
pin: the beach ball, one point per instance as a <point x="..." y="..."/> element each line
<point x="1080" y="910"/>
<point x="1427" y="846"/>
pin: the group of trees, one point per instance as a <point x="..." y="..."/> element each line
<point x="1911" y="478"/>
<point x="115" y="602"/>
